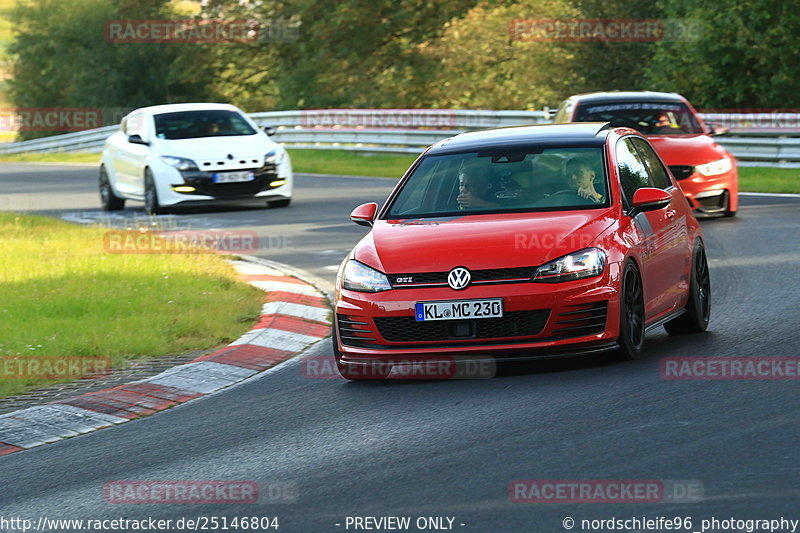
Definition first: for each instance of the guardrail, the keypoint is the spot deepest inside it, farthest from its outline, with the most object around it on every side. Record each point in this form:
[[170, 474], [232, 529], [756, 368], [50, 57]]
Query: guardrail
[[410, 131]]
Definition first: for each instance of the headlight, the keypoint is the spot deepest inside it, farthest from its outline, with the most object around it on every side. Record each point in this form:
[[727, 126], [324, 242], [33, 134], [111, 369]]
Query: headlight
[[715, 168], [586, 263], [359, 277], [274, 157], [181, 163]]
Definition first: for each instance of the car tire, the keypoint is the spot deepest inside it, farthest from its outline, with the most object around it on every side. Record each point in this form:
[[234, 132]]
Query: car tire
[[631, 321], [279, 203], [698, 309], [108, 200], [728, 212], [151, 204]]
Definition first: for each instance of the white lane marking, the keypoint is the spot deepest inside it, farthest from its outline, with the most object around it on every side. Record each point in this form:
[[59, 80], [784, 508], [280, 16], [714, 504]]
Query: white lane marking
[[320, 314], [300, 288], [775, 194], [276, 338]]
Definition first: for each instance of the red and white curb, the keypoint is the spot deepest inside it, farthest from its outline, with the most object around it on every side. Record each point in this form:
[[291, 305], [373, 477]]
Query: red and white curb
[[296, 314]]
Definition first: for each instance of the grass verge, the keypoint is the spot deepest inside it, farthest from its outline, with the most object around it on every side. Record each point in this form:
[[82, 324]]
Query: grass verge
[[350, 163], [51, 157], [63, 296], [763, 179]]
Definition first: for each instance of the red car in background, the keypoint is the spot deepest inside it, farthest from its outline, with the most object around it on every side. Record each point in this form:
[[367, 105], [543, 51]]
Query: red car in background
[[517, 243], [705, 171]]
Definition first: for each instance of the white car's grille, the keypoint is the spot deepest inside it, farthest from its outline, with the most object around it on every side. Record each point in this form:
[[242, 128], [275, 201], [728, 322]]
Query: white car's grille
[[224, 163]]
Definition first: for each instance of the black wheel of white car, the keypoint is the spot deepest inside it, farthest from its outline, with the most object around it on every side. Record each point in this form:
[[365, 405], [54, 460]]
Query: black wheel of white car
[[279, 203], [109, 200], [151, 204]]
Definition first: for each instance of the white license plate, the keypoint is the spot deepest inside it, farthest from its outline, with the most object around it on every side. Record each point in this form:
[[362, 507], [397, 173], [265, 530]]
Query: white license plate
[[233, 177], [458, 309]]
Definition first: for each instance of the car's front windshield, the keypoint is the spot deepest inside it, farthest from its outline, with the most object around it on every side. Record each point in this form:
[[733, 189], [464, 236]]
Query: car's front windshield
[[501, 180], [201, 123], [650, 118]]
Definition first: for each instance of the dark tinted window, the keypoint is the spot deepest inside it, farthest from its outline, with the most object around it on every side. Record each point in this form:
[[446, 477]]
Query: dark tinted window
[[537, 178], [658, 175], [207, 123], [650, 118], [633, 173]]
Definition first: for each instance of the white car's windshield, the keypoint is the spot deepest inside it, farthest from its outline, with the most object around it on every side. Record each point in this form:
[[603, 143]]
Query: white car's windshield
[[204, 123], [493, 181]]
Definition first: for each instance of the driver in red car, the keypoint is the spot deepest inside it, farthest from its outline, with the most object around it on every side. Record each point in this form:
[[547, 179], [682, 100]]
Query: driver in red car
[[474, 189], [580, 175]]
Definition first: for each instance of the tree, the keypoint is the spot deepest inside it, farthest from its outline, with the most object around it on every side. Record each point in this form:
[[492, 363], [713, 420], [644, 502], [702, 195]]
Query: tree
[[743, 58], [63, 60]]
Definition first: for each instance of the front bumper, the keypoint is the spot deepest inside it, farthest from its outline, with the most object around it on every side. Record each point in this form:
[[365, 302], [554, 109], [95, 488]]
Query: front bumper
[[269, 183], [711, 194], [539, 320]]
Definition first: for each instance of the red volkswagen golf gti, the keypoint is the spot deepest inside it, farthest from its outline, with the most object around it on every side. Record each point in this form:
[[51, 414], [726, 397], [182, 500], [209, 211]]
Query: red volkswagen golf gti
[[516, 243], [705, 171]]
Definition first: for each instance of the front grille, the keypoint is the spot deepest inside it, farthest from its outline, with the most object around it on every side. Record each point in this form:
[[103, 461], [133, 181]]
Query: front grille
[[681, 172], [354, 331], [492, 275], [711, 204], [512, 324], [580, 320], [204, 184]]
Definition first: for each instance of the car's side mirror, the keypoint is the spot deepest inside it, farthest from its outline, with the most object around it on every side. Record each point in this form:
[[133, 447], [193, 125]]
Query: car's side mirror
[[137, 139], [269, 130], [649, 199], [716, 129], [364, 215]]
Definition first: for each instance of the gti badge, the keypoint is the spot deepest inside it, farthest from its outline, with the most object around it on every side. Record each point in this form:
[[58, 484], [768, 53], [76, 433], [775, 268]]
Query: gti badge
[[458, 278]]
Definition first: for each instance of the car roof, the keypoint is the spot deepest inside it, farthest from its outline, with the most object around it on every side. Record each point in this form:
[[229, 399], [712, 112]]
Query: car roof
[[628, 96], [173, 108], [583, 133]]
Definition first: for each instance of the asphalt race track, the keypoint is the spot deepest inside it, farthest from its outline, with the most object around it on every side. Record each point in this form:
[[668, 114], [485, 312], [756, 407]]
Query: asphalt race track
[[451, 448]]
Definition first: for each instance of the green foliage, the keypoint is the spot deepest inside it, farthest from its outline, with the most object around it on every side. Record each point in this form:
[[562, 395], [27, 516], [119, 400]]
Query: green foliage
[[746, 58], [411, 54], [64, 60]]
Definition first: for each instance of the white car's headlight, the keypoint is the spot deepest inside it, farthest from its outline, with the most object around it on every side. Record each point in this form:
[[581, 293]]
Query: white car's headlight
[[586, 263], [181, 163], [275, 157], [715, 168], [359, 277]]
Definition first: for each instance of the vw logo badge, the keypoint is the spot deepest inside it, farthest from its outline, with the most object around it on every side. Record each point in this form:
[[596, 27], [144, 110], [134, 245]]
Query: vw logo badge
[[459, 278], [230, 157]]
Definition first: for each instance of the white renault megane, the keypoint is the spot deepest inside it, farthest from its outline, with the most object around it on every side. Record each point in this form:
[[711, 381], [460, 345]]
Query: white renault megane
[[191, 153]]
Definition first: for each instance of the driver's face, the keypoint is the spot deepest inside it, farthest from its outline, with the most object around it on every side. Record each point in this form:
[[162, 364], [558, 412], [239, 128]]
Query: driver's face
[[585, 176]]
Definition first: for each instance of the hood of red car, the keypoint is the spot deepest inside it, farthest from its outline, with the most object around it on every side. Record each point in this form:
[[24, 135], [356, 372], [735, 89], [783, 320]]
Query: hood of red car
[[687, 149], [479, 241]]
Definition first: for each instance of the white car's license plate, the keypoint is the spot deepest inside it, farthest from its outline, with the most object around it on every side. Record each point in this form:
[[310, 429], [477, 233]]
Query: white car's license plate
[[233, 177], [458, 309]]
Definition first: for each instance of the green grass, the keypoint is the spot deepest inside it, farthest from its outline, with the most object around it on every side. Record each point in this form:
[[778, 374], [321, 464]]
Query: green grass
[[761, 179], [52, 157], [62, 295], [349, 163]]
